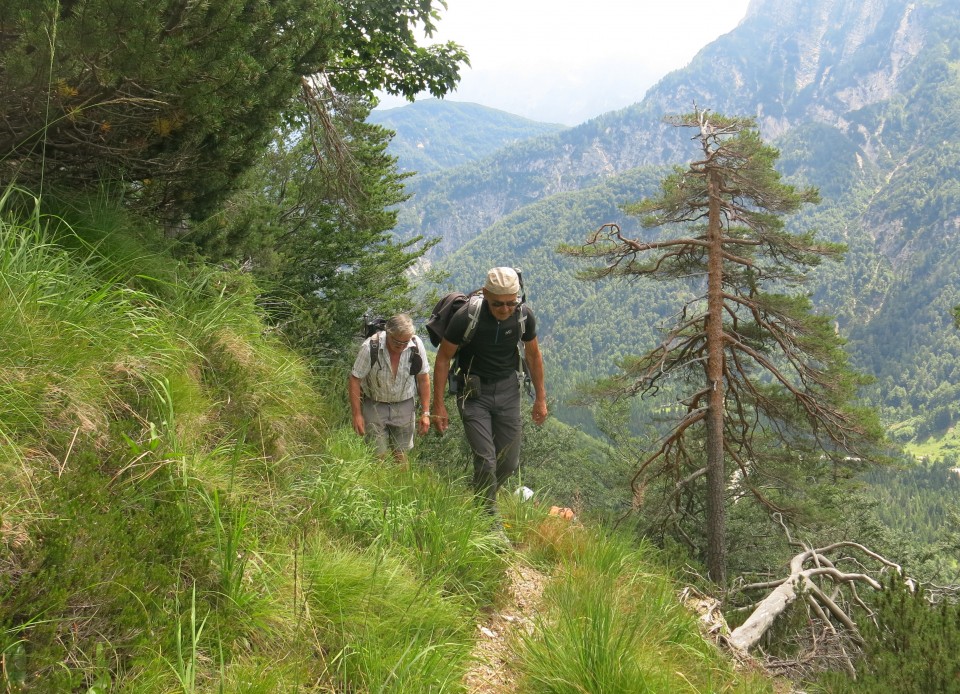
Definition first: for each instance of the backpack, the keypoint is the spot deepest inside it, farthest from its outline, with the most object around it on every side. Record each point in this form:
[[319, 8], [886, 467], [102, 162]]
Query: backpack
[[447, 306], [453, 302], [374, 326]]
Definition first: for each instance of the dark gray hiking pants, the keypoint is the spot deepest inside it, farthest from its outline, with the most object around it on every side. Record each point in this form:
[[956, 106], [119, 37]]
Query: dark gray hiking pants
[[491, 422]]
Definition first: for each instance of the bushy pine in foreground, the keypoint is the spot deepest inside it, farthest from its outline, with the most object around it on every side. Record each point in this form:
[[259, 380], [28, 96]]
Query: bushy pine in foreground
[[912, 646], [183, 508]]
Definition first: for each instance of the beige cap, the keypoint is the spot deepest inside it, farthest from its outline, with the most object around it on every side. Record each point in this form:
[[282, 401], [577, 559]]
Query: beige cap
[[502, 281]]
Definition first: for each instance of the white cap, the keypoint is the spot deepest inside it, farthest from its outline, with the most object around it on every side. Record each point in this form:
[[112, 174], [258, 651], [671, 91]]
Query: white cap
[[502, 281]]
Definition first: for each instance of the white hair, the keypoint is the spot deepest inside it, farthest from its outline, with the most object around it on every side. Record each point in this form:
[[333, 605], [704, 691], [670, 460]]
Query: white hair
[[400, 325]]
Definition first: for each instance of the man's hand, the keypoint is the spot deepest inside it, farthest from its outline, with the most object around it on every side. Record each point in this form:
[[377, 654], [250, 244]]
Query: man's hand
[[539, 413], [358, 425], [423, 424], [441, 420]]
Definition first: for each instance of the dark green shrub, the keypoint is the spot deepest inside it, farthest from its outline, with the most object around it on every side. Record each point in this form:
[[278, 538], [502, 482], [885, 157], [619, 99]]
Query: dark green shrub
[[912, 647]]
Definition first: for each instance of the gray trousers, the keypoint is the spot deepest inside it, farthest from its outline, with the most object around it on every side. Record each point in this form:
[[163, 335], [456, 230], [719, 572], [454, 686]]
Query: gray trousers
[[491, 422], [390, 425]]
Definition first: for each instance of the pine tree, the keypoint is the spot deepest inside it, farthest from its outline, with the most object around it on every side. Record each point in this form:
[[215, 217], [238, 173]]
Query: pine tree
[[317, 225], [911, 645], [763, 372]]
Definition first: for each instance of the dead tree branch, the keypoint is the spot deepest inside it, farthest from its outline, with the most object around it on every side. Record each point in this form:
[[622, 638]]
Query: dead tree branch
[[804, 580]]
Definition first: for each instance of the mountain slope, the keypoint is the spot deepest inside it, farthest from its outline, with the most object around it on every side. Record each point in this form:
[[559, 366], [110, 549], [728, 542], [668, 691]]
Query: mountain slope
[[185, 506], [433, 134], [862, 99]]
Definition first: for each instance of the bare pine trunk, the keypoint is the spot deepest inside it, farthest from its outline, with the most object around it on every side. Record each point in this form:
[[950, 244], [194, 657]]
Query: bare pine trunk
[[716, 476]]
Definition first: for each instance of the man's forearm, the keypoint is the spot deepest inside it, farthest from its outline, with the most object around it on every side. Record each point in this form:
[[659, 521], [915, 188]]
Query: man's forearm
[[356, 394], [441, 370], [536, 375], [423, 388]]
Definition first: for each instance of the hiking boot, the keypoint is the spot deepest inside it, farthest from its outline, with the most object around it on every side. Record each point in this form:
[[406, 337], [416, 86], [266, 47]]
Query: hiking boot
[[499, 534], [502, 540]]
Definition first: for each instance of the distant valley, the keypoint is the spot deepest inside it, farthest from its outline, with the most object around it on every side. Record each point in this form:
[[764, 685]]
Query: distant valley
[[860, 98]]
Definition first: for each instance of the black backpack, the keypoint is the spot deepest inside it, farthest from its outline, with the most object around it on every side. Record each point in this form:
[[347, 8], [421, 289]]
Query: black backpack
[[448, 305], [374, 326]]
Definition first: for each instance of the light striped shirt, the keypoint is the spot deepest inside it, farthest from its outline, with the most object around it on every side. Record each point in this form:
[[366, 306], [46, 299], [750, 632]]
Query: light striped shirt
[[378, 383]]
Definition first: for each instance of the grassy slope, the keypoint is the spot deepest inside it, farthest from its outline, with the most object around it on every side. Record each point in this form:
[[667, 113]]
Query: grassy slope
[[936, 447], [183, 508]]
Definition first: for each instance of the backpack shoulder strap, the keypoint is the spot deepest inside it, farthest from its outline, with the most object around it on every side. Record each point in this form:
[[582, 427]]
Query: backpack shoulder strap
[[416, 359], [374, 349], [522, 320], [475, 302]]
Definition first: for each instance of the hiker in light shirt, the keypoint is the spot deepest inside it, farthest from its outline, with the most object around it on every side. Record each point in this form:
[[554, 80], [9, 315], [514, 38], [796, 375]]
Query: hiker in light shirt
[[383, 388]]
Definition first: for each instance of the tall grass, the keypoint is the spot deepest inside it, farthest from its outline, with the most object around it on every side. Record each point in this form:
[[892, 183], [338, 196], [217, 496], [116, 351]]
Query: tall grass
[[63, 329], [430, 519], [612, 622], [385, 631], [187, 660], [184, 507], [160, 452]]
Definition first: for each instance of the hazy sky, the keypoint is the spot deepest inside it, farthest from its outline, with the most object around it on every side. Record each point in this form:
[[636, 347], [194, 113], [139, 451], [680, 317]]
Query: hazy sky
[[566, 61]]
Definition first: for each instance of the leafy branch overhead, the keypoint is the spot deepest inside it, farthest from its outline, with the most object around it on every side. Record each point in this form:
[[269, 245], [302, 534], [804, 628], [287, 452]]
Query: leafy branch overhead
[[752, 362]]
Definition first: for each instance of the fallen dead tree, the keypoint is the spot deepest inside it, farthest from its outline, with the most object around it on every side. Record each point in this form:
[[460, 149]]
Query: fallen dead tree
[[817, 577]]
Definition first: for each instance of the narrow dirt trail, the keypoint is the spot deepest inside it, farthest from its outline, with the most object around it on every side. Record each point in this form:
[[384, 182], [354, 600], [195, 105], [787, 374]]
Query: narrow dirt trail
[[491, 673]]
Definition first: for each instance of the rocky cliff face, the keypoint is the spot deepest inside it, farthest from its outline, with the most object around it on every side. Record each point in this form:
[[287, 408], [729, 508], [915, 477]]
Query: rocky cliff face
[[826, 59]]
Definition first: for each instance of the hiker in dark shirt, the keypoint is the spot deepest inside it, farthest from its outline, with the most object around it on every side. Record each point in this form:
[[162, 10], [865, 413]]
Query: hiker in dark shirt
[[488, 379]]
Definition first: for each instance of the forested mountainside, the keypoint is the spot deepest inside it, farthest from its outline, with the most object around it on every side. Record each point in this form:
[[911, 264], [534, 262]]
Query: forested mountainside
[[860, 97], [431, 135]]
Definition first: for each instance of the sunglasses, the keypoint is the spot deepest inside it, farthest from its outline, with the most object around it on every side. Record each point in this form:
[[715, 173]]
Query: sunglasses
[[501, 304]]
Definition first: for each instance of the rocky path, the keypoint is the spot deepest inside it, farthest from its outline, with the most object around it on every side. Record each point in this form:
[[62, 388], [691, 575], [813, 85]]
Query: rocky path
[[491, 673]]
